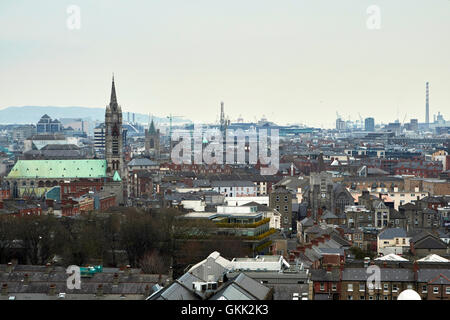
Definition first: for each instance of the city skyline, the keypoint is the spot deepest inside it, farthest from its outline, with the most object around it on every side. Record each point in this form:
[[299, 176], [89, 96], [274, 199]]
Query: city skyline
[[296, 63]]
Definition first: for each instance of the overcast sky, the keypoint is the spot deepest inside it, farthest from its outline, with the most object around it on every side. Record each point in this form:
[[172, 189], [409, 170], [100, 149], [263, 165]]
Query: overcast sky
[[294, 61]]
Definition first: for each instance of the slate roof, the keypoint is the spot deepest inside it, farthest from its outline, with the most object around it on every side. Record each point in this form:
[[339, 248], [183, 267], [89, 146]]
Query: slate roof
[[39, 281], [142, 162], [323, 276], [426, 275], [387, 274], [243, 288], [328, 215], [232, 183], [391, 233]]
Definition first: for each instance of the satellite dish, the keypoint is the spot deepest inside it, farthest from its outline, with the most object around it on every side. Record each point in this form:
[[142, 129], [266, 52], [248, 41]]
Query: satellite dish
[[409, 294]]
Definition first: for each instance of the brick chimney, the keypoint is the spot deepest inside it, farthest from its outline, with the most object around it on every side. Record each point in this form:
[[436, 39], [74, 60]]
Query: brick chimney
[[128, 269], [100, 290], [147, 290], [416, 270], [48, 267], [52, 290], [26, 278], [116, 279], [4, 289], [9, 267]]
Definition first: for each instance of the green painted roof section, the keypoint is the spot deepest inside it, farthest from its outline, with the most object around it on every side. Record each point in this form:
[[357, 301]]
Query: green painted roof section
[[58, 169], [116, 177]]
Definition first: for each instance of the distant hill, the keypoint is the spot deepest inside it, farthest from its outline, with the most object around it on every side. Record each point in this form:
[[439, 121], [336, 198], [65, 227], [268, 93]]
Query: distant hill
[[32, 114]]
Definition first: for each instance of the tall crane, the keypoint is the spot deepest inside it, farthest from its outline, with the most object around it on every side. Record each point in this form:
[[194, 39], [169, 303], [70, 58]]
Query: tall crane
[[362, 121], [171, 117]]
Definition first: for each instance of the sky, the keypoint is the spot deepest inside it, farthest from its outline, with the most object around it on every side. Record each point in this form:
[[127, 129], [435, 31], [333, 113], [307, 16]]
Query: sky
[[292, 61]]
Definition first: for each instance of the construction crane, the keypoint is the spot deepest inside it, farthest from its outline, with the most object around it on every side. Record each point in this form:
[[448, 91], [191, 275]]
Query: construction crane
[[404, 118], [362, 121], [171, 117]]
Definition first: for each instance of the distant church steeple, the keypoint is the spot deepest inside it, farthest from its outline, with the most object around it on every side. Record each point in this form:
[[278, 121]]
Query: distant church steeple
[[113, 101], [113, 136]]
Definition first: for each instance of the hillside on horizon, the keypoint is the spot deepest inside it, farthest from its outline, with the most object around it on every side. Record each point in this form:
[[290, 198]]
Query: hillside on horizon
[[32, 114]]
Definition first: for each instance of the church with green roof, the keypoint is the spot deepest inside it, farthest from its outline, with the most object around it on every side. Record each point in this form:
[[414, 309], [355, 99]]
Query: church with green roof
[[39, 176]]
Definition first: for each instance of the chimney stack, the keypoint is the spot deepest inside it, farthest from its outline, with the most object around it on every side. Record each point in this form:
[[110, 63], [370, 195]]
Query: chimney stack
[[48, 267], [52, 290], [416, 270], [100, 290], [116, 279], [4, 289], [26, 278], [128, 269], [9, 268], [147, 290]]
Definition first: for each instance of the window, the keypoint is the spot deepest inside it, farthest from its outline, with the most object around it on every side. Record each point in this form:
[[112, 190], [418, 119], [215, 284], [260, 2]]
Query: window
[[386, 297], [286, 209], [285, 198], [322, 286], [350, 297], [424, 289], [334, 287], [386, 287], [362, 298], [362, 286], [435, 290], [370, 297], [394, 288], [350, 287], [447, 290]]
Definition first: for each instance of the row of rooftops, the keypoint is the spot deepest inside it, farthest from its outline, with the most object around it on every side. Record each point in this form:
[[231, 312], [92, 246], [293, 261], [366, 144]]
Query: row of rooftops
[[33, 282]]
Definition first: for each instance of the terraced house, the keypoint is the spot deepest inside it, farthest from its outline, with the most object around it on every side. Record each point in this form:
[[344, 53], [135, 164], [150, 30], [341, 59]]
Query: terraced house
[[393, 281]]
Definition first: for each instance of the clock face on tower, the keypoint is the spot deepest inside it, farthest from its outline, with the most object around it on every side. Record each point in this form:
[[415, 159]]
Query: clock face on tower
[[323, 195]]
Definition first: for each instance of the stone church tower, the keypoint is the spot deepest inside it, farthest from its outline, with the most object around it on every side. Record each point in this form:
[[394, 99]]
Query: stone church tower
[[113, 136], [152, 141]]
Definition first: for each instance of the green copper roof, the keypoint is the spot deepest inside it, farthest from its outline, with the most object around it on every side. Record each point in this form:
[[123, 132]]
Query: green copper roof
[[58, 169], [116, 177]]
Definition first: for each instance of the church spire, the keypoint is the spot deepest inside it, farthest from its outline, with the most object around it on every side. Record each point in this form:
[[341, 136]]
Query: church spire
[[152, 129], [113, 93]]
